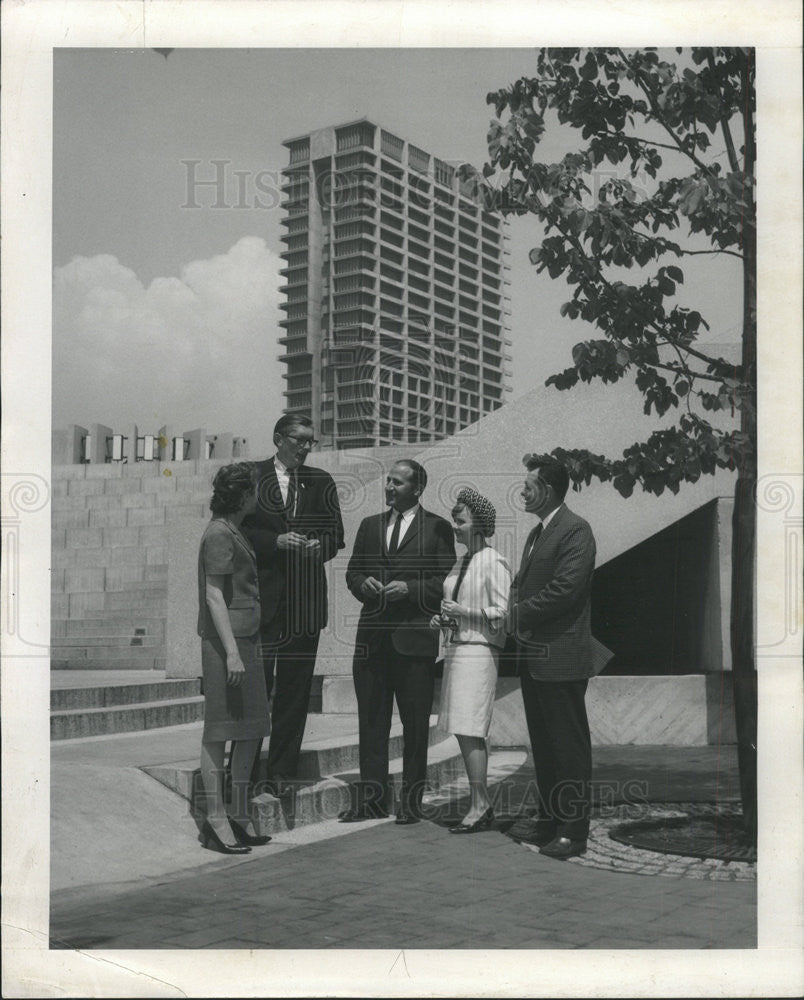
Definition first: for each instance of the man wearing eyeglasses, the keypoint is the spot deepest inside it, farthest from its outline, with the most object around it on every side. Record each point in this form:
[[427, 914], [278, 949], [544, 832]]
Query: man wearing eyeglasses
[[296, 529]]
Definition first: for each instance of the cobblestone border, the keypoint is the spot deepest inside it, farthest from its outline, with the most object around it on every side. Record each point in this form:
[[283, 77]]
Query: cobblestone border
[[604, 853]]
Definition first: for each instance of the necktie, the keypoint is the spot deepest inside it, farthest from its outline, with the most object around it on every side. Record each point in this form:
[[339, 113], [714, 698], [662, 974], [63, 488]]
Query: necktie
[[461, 574], [290, 503], [394, 544], [534, 538]]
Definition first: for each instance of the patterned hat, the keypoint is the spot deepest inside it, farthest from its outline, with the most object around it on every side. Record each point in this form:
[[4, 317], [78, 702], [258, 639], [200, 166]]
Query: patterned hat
[[481, 508]]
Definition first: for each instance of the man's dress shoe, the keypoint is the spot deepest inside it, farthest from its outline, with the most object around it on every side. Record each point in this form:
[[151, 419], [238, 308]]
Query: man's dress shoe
[[562, 848], [358, 815], [532, 831], [405, 819]]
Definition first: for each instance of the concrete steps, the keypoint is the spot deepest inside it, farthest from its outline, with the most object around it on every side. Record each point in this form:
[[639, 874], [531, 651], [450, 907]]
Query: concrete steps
[[116, 695], [326, 798], [328, 766], [68, 724], [80, 708], [145, 659]]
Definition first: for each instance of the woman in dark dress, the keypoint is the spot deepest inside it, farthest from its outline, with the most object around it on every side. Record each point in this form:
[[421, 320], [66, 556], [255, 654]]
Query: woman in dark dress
[[235, 701]]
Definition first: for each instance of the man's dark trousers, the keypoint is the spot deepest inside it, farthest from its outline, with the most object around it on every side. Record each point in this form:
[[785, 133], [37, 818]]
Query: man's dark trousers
[[289, 656], [378, 678], [562, 751]]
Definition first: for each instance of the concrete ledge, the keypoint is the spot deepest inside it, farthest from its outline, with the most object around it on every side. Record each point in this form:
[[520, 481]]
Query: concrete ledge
[[73, 724], [109, 695], [154, 661], [322, 757], [687, 710], [325, 799]]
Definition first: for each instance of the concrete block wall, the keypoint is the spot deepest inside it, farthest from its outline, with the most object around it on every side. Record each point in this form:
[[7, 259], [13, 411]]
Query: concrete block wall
[[113, 529], [109, 567]]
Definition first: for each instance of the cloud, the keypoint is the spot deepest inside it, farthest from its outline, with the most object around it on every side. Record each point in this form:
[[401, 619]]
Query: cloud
[[194, 351]]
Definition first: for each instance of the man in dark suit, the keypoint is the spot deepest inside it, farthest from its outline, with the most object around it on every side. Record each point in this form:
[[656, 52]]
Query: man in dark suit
[[397, 572], [296, 529], [549, 616]]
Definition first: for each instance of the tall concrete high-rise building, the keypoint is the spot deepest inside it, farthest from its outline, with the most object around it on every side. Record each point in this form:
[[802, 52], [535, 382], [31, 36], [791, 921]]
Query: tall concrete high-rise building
[[395, 297]]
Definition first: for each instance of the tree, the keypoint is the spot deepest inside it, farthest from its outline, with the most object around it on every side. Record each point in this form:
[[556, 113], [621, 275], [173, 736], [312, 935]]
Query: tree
[[643, 116]]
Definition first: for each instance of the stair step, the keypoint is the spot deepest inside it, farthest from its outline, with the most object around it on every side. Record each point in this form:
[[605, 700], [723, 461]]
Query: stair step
[[68, 724], [121, 609], [108, 641], [150, 662], [109, 651], [109, 695], [332, 756], [332, 794]]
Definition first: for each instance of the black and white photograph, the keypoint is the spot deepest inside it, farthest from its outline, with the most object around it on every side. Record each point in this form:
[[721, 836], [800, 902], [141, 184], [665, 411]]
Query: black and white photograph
[[402, 500]]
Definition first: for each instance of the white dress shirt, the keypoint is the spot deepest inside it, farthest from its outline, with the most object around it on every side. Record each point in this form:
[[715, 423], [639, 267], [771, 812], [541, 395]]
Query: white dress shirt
[[550, 516], [407, 520], [544, 524], [283, 478]]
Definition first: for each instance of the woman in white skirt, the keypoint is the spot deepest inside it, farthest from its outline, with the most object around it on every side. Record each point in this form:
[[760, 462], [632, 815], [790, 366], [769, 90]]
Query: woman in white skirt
[[471, 623]]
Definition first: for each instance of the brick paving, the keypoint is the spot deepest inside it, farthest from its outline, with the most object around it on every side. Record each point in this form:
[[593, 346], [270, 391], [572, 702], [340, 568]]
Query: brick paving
[[376, 885]]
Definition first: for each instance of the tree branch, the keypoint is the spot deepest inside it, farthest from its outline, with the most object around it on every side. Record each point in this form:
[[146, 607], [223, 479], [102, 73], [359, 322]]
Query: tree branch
[[657, 115], [724, 124], [677, 248], [687, 373], [637, 138]]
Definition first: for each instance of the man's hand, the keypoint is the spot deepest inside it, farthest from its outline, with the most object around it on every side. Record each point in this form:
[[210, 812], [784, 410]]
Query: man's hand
[[371, 587], [396, 590], [312, 548], [291, 542]]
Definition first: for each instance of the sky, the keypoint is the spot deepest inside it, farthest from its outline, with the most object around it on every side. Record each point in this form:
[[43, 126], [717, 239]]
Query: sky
[[166, 296]]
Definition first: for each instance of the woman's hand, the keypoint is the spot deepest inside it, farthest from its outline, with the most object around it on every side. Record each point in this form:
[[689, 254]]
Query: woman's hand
[[454, 609], [235, 670]]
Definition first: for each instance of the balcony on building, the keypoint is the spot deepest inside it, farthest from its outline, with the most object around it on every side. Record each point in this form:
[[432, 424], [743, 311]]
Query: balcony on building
[[391, 145], [354, 136], [354, 283], [354, 247], [363, 159], [352, 336], [299, 149], [297, 230], [355, 264], [418, 217]]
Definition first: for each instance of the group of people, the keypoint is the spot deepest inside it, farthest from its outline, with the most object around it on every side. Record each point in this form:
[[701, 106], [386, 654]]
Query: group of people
[[263, 603]]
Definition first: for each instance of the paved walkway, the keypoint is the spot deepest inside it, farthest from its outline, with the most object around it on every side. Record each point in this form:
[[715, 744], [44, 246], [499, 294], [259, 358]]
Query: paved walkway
[[376, 885]]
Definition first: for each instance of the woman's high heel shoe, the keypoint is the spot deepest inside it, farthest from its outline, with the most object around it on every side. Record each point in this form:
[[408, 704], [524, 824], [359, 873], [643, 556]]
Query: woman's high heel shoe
[[210, 837], [246, 838], [483, 822]]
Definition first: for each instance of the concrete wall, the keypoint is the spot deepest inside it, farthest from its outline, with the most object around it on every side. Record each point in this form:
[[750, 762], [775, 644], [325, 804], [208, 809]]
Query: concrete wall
[[680, 711]]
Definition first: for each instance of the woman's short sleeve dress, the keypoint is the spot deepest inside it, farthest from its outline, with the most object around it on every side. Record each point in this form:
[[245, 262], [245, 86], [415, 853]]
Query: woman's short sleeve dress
[[231, 713]]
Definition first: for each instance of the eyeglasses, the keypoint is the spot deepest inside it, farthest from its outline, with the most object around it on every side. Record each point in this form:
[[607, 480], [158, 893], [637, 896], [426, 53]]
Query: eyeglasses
[[303, 442]]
